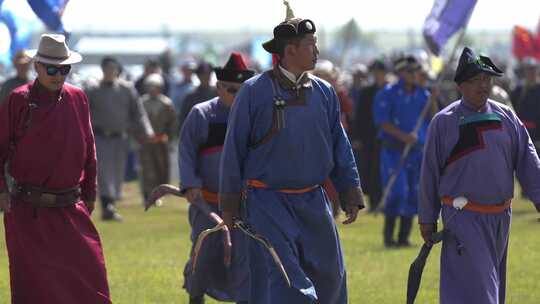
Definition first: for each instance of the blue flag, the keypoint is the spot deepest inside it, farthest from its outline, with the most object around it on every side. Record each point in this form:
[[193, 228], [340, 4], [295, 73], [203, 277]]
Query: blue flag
[[50, 12], [20, 22], [445, 19]]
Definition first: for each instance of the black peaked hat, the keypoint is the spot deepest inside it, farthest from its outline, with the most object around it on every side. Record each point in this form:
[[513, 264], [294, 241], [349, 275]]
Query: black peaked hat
[[290, 28], [378, 64], [471, 65], [235, 70]]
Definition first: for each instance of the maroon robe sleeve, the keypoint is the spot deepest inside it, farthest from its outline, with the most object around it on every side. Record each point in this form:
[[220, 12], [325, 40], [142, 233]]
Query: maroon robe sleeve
[[88, 183], [4, 141]]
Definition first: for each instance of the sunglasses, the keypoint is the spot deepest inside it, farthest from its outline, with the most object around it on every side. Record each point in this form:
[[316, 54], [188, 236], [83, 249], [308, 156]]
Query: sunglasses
[[53, 70], [232, 90]]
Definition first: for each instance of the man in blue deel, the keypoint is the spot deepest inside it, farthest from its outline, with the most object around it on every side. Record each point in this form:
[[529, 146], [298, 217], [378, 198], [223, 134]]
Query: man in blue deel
[[284, 139], [396, 110]]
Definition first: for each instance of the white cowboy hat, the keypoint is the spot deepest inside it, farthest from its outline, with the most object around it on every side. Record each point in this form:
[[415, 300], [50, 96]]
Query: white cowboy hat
[[52, 49]]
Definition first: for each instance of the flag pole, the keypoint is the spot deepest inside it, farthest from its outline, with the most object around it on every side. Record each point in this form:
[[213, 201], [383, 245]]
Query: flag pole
[[391, 181]]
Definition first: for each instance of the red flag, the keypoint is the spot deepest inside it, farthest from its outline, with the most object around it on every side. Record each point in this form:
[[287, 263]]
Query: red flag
[[524, 43]]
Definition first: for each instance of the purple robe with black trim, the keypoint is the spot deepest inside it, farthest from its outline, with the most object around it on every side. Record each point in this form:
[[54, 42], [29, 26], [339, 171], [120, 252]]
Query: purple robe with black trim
[[475, 154], [201, 143]]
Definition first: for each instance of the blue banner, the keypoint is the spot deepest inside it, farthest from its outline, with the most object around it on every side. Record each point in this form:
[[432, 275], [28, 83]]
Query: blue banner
[[445, 19], [18, 24], [50, 12]]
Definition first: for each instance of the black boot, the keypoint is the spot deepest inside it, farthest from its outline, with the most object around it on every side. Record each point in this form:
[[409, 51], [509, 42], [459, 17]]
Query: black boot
[[388, 232], [196, 299], [109, 210], [405, 231]]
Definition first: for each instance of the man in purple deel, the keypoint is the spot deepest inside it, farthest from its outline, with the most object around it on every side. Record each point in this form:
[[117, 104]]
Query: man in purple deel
[[472, 150]]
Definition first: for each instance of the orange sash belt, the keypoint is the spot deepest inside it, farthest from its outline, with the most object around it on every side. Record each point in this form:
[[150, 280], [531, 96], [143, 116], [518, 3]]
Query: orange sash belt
[[472, 206], [210, 197], [260, 185]]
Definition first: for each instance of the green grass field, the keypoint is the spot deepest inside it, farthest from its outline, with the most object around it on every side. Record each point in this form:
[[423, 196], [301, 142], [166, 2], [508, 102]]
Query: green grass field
[[146, 253]]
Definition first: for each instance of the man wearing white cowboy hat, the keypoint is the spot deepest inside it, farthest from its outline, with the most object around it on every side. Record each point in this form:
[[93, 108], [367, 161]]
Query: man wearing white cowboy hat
[[47, 144]]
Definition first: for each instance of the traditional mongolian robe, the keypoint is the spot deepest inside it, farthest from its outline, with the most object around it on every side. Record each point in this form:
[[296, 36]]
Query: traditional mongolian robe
[[201, 144], [474, 154], [155, 155], [394, 105], [55, 254], [284, 151], [369, 154], [116, 111]]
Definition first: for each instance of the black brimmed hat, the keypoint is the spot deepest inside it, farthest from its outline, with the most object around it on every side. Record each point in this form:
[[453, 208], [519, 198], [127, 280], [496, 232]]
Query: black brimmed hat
[[290, 28], [235, 70], [471, 65]]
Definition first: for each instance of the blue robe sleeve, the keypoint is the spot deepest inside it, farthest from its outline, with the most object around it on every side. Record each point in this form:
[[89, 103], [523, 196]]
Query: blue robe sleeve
[[192, 136], [235, 151], [344, 175], [527, 164], [429, 205]]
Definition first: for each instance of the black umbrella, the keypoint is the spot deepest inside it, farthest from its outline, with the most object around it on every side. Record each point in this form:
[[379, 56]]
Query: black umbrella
[[417, 267]]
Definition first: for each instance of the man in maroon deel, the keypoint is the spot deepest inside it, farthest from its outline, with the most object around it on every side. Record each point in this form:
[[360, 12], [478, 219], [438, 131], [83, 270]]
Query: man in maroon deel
[[48, 191]]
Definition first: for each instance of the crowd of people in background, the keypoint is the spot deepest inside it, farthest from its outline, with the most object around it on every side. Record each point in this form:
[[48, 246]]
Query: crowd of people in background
[[141, 120], [385, 110]]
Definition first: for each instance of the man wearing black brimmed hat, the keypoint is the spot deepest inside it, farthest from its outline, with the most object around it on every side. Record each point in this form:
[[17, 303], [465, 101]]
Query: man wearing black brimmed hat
[[47, 144], [201, 143], [473, 149], [397, 110], [283, 140]]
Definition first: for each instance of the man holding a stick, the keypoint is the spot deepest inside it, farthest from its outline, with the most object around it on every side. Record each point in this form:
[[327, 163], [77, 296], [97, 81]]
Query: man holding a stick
[[397, 109]]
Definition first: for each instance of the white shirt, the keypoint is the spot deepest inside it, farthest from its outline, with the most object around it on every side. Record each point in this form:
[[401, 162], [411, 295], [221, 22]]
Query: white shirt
[[291, 76]]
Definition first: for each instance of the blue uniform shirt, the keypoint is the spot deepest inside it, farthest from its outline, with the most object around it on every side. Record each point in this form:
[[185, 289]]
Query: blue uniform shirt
[[394, 105]]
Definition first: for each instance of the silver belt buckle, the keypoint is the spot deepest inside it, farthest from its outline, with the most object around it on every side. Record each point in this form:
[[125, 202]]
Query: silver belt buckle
[[459, 202]]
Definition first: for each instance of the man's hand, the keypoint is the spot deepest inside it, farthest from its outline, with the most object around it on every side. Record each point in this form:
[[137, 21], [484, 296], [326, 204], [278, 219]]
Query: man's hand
[[352, 214], [427, 231], [90, 205], [159, 138], [194, 194], [410, 138], [5, 203]]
